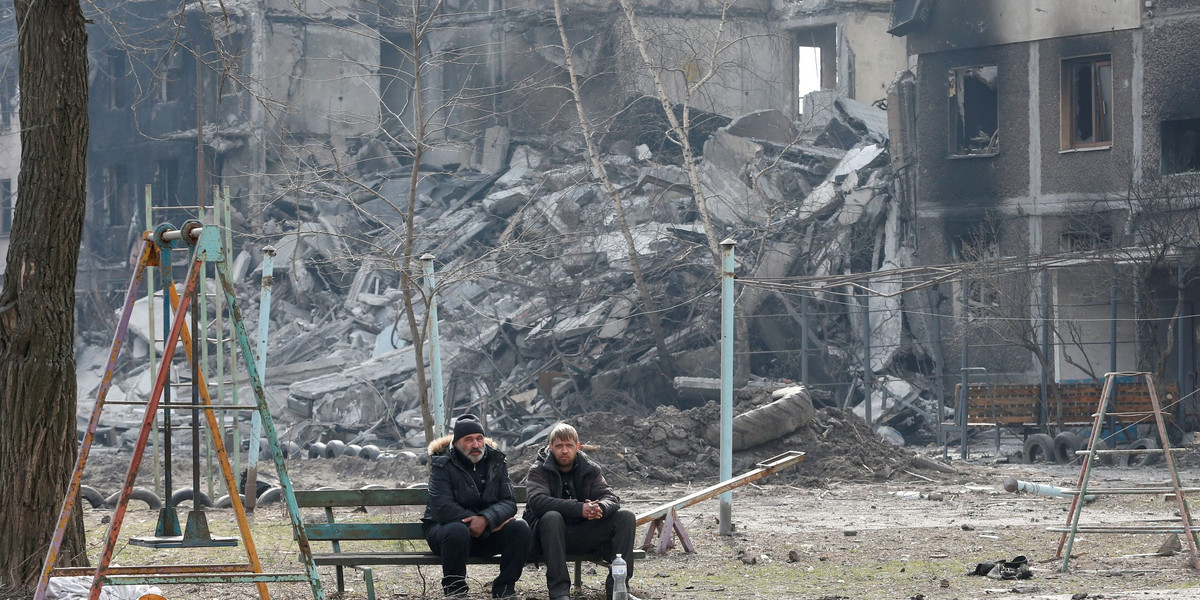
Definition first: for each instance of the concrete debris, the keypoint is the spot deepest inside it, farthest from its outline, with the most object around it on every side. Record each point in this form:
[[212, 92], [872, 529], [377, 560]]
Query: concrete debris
[[540, 318]]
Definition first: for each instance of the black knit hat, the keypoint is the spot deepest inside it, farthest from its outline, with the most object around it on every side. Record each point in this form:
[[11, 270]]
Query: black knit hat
[[466, 425]]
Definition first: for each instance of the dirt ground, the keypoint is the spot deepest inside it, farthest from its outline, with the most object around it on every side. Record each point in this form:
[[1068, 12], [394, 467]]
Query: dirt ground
[[858, 518]]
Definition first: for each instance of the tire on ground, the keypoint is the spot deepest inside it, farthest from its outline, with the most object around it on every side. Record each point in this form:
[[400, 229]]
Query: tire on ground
[[1142, 458], [226, 502], [272, 495], [92, 495], [137, 493], [1039, 448], [199, 500], [1065, 445]]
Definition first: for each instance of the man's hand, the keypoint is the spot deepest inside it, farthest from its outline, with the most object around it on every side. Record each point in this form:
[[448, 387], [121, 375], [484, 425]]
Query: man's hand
[[477, 524], [592, 510]]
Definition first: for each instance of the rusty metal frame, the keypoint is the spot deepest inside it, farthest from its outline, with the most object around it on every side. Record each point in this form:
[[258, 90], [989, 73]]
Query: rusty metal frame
[[155, 251], [1067, 540]]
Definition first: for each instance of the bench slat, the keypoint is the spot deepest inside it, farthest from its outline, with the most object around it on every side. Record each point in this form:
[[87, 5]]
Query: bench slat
[[327, 532], [373, 559]]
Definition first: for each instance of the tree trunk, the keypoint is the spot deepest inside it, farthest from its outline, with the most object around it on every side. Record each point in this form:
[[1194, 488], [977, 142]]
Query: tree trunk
[[37, 303]]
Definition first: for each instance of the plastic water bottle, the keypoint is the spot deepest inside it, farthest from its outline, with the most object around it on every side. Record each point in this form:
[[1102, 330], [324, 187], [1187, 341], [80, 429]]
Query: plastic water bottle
[[620, 592]]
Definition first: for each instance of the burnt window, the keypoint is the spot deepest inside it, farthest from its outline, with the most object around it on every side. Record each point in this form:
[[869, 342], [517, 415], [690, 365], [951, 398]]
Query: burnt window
[[1086, 237], [977, 243], [117, 199], [118, 66], [1087, 99], [173, 76], [166, 183], [8, 101], [1180, 146], [6, 206], [973, 111]]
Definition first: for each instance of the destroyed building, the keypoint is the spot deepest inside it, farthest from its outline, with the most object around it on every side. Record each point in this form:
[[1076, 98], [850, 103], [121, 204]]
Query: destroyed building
[[308, 118], [1054, 144]]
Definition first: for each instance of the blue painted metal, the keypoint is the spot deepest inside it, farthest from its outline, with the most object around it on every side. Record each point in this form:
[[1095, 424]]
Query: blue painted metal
[[727, 276], [264, 327], [435, 349], [208, 246]]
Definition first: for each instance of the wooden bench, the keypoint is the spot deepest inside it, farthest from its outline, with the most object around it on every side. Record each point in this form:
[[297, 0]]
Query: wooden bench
[[1017, 405], [407, 532]]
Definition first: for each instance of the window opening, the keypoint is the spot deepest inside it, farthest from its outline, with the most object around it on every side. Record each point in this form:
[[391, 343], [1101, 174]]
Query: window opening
[[8, 102], [974, 111], [1087, 102], [117, 68], [816, 61], [978, 244], [1180, 146]]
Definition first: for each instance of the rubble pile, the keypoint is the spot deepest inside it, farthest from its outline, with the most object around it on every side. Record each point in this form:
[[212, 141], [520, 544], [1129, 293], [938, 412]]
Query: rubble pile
[[664, 447], [539, 316]]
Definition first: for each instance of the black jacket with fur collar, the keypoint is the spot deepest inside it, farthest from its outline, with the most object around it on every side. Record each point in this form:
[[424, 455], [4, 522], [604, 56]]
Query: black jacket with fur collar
[[453, 494]]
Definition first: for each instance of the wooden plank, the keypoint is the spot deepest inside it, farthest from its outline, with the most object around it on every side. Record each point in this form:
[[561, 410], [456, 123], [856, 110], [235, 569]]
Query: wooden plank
[[374, 497]]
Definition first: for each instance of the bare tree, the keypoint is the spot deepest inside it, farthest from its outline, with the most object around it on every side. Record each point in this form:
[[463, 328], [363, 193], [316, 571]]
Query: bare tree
[[37, 321], [585, 124], [1159, 250]]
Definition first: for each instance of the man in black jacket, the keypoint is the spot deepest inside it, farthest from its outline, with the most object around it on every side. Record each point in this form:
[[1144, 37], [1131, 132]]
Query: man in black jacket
[[572, 510], [471, 509]]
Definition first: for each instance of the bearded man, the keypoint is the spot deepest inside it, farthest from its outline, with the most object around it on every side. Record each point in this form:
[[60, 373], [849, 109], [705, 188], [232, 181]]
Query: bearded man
[[471, 509]]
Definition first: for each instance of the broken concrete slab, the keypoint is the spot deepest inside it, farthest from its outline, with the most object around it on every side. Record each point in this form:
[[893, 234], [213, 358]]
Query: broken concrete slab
[[871, 120], [856, 158], [495, 149], [820, 203], [729, 200], [618, 319], [505, 202], [768, 124], [732, 153], [817, 109]]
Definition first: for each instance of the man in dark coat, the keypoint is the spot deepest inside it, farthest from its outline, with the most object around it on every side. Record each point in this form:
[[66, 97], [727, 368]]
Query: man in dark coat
[[572, 510], [471, 509]]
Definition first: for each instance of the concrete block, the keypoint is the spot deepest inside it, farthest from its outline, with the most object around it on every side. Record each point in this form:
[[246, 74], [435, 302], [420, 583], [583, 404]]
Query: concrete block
[[504, 203], [769, 124], [495, 149], [730, 152]]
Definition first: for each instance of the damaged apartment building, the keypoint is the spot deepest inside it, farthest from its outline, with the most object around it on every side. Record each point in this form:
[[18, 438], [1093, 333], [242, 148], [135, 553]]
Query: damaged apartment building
[[1055, 146], [307, 117]]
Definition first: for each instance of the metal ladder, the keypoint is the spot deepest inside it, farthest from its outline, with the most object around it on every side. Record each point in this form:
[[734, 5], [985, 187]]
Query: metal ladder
[[1092, 454]]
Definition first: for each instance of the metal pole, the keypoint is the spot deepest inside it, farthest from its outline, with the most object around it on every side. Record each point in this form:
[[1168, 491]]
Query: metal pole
[[726, 511], [804, 338], [156, 443], [264, 326], [1042, 408], [1112, 322], [233, 350], [868, 376], [1181, 365], [962, 398], [939, 365], [435, 348]]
